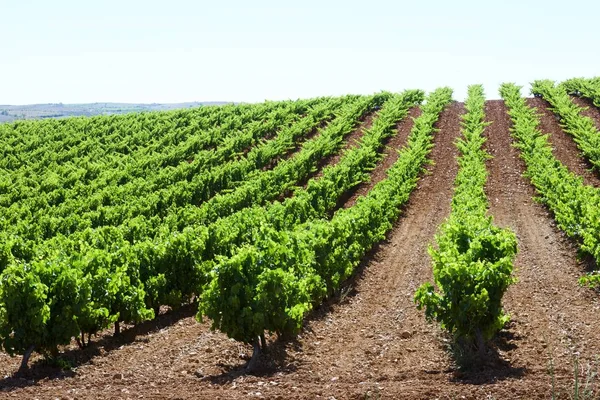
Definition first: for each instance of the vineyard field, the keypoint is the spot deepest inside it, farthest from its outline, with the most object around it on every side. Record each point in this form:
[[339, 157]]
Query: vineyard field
[[393, 245]]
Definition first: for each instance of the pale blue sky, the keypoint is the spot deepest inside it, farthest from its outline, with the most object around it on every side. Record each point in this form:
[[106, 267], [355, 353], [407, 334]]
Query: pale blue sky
[[173, 51]]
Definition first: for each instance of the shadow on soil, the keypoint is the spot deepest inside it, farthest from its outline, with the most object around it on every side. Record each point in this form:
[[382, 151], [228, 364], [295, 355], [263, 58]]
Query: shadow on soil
[[490, 367], [587, 261], [272, 361], [73, 358]]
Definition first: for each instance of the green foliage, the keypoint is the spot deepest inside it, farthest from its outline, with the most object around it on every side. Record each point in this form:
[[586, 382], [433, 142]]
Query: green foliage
[[588, 88], [473, 262], [105, 239], [24, 309], [591, 280], [45, 197], [320, 195], [267, 185], [106, 219]]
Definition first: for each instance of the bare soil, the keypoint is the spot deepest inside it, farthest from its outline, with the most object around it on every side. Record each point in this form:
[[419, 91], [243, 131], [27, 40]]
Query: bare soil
[[370, 341]]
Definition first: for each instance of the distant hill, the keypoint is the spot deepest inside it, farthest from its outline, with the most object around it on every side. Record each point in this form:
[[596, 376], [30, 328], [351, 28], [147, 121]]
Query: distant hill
[[58, 110]]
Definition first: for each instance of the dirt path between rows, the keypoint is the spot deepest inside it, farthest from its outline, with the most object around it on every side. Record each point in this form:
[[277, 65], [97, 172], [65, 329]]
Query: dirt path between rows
[[552, 317], [564, 147]]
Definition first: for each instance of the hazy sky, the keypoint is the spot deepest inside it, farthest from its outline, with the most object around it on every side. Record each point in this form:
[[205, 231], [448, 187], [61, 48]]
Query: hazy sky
[[174, 51]]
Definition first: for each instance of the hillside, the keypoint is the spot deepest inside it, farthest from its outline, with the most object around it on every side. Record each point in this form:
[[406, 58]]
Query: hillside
[[274, 250], [10, 113]]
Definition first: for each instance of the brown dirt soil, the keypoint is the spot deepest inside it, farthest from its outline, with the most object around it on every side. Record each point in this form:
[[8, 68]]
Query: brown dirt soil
[[390, 156], [592, 111], [370, 341], [564, 147]]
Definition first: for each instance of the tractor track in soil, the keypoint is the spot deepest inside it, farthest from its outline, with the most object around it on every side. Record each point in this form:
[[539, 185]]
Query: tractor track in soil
[[370, 341]]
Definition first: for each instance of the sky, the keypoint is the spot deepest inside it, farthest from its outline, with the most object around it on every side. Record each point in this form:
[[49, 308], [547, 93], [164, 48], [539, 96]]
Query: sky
[[74, 51]]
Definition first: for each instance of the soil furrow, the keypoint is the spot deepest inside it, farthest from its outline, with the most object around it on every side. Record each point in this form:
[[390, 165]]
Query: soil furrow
[[564, 147], [552, 317]]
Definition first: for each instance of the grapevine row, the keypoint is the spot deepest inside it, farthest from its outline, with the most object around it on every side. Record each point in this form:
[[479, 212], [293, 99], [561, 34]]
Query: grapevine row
[[246, 225], [588, 88], [576, 207], [63, 202], [98, 148], [23, 230], [320, 195], [473, 261], [582, 128]]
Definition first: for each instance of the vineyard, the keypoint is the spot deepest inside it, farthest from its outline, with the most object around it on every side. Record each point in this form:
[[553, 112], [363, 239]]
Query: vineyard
[[395, 245]]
